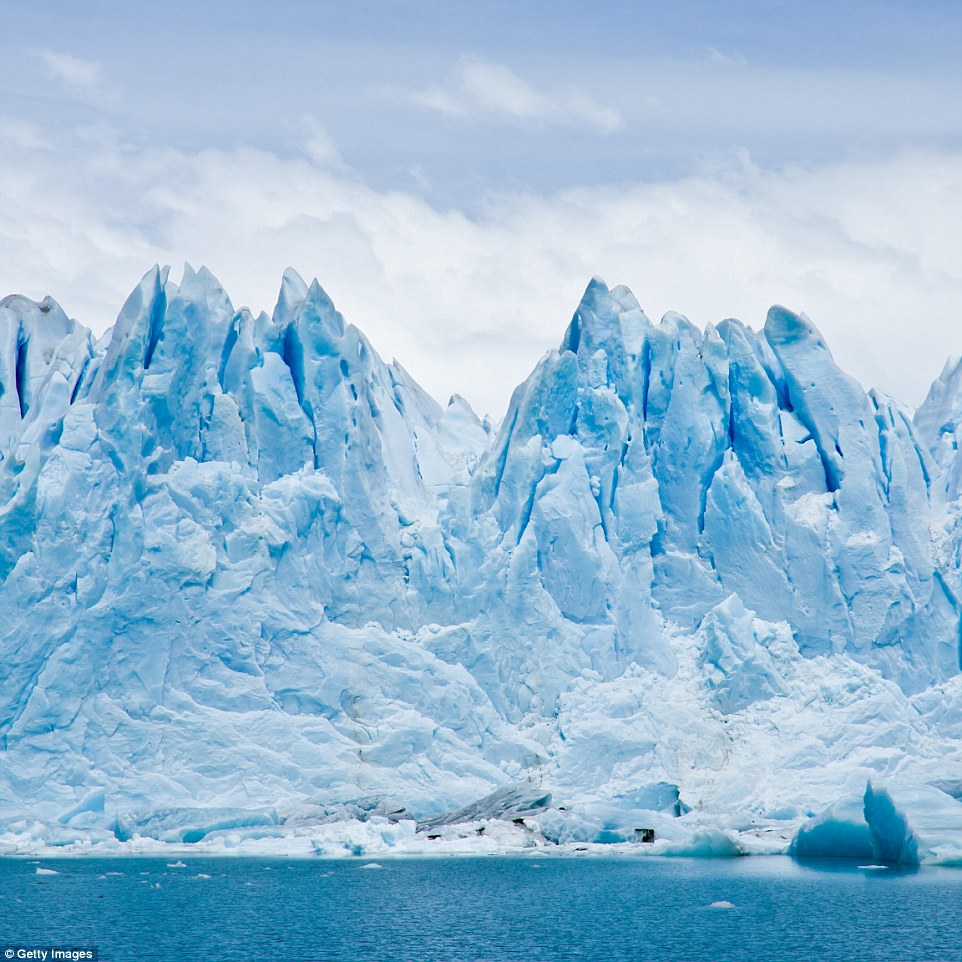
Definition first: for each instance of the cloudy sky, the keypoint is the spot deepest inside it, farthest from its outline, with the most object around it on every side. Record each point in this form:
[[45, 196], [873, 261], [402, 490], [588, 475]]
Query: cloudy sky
[[454, 174]]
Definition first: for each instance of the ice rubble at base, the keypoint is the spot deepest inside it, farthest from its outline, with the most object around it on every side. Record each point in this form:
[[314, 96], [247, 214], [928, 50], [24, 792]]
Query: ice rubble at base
[[261, 593]]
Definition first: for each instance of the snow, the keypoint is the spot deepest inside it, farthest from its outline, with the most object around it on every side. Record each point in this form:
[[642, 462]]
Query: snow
[[260, 593]]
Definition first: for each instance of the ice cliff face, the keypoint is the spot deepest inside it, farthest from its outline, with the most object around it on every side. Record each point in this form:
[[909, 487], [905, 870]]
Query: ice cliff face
[[644, 473], [254, 576]]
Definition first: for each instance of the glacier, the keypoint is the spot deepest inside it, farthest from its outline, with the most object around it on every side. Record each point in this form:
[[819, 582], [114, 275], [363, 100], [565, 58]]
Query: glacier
[[260, 592]]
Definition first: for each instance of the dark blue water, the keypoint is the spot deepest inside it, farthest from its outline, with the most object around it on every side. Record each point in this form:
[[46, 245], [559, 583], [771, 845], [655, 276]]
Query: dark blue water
[[497, 909]]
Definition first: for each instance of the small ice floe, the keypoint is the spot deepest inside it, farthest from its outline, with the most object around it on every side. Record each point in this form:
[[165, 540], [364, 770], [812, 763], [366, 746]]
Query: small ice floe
[[47, 871], [177, 864], [115, 873], [874, 868], [156, 885], [722, 904], [201, 875], [372, 865]]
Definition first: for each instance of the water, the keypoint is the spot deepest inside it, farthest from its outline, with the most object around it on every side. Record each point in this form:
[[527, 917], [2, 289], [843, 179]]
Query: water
[[468, 910]]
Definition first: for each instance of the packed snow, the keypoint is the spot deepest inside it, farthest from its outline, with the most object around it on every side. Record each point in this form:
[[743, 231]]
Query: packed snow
[[696, 594]]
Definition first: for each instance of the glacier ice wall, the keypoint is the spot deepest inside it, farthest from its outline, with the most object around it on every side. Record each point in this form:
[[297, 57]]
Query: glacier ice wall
[[250, 568]]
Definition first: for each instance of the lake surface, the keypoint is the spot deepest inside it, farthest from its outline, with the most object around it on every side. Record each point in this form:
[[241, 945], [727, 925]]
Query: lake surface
[[487, 908]]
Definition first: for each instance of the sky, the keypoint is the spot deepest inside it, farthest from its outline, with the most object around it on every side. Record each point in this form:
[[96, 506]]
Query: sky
[[455, 173]]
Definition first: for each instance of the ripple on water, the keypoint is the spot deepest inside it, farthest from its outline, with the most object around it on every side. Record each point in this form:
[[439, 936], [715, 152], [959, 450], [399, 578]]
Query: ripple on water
[[491, 910]]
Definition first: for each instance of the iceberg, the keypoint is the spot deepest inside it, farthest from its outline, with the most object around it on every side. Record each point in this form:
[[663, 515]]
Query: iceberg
[[260, 589], [841, 831], [912, 824]]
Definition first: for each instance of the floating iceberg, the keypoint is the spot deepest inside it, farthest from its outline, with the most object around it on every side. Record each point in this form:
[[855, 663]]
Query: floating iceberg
[[260, 590], [912, 824], [841, 831]]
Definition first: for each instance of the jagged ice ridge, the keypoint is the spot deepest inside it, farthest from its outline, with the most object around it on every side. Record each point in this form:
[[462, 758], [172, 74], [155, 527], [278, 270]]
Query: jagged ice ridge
[[259, 589]]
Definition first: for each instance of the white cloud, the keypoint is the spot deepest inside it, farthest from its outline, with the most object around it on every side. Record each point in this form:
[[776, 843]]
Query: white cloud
[[73, 71], [721, 59], [320, 146], [83, 79], [484, 87], [496, 88], [871, 251]]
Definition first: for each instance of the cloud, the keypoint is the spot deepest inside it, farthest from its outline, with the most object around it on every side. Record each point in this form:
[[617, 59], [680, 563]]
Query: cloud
[[319, 145], [872, 251], [83, 78], [71, 70], [481, 87], [718, 58]]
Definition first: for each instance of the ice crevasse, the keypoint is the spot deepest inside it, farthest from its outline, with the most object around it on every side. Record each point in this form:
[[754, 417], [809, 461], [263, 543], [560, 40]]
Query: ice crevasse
[[259, 588]]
